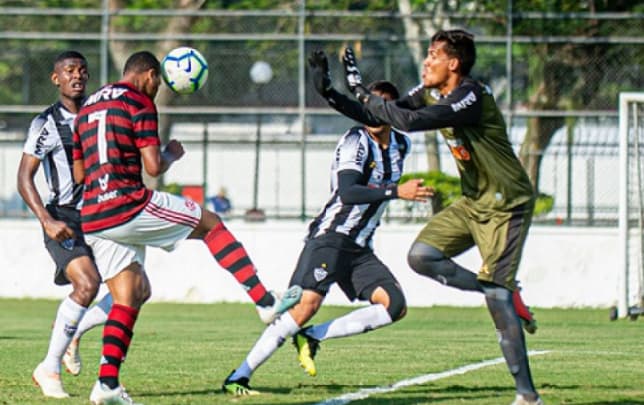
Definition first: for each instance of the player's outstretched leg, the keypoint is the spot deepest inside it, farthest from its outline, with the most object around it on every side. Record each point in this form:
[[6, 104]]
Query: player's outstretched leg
[[275, 334], [527, 318], [231, 255]]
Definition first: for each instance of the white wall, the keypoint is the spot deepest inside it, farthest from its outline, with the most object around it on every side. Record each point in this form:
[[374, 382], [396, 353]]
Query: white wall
[[561, 267]]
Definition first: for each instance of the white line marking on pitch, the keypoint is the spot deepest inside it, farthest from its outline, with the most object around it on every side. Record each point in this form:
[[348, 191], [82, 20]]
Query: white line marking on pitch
[[367, 392]]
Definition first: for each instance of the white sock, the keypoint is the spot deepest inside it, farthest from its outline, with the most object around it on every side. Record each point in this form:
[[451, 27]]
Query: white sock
[[358, 321], [96, 315], [273, 337], [67, 318]]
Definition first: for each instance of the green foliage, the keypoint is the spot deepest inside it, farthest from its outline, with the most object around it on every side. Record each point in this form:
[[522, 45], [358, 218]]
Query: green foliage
[[172, 188], [544, 204], [447, 188]]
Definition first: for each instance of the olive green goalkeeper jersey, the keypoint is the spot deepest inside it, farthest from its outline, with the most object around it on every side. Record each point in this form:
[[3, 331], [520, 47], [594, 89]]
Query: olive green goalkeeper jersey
[[492, 177]]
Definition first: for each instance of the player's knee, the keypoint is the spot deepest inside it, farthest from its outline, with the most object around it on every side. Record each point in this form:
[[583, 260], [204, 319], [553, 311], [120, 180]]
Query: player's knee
[[397, 307], [307, 307], [146, 292], [424, 259], [85, 290]]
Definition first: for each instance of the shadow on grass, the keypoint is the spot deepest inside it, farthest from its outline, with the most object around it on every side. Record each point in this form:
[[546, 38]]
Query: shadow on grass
[[618, 402]]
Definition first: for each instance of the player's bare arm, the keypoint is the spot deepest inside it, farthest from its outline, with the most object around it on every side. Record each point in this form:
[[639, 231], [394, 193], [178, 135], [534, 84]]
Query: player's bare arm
[[157, 162], [79, 171], [27, 169]]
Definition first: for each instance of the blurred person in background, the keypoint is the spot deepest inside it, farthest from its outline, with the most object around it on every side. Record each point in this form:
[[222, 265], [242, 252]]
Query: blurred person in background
[[221, 203]]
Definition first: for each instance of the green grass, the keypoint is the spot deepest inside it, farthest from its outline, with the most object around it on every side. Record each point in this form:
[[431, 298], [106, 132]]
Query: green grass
[[182, 352]]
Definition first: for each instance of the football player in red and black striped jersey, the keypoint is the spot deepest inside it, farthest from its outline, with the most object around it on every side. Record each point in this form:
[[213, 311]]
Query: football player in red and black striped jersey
[[115, 138]]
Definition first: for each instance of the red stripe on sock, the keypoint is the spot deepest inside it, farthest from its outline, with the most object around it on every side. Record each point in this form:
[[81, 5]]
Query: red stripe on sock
[[257, 293], [232, 257], [108, 370], [218, 238], [113, 351], [127, 317], [116, 332], [244, 274]]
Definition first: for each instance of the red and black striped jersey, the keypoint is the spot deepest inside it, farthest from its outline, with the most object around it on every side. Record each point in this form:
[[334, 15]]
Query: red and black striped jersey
[[110, 129]]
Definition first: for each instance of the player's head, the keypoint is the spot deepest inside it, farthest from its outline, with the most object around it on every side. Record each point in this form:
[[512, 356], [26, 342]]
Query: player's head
[[70, 75], [451, 53], [142, 69], [388, 91], [384, 89]]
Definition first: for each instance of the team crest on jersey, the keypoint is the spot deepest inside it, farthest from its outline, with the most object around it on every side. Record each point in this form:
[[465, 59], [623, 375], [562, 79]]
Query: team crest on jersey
[[320, 273], [458, 149], [191, 205], [102, 181]]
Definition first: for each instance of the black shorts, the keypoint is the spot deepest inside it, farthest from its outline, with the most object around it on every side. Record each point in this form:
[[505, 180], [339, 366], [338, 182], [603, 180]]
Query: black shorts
[[335, 258], [65, 252]]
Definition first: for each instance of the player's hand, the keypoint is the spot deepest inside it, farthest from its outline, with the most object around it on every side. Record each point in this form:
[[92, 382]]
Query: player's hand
[[57, 230], [173, 151], [413, 190], [319, 65], [353, 76]]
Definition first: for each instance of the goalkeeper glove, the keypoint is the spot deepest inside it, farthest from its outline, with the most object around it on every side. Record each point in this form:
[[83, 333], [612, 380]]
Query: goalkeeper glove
[[320, 68], [353, 76]]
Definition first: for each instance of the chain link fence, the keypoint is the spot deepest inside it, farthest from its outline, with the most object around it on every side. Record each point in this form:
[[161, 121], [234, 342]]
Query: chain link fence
[[556, 74]]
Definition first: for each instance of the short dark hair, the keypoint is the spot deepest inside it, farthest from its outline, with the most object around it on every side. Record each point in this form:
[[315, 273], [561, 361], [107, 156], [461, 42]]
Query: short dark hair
[[68, 55], [383, 86], [140, 62], [460, 45]]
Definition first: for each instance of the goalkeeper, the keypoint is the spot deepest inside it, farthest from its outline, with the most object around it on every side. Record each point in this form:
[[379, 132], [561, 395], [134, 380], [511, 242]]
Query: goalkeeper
[[496, 208]]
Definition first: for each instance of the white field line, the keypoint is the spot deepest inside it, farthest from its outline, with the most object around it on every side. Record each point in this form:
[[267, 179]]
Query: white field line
[[422, 379]]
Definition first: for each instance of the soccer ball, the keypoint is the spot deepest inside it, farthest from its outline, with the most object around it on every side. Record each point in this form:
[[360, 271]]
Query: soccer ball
[[184, 70]]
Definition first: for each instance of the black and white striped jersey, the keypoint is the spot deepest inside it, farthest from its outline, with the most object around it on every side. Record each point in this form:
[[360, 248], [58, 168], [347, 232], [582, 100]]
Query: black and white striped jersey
[[50, 140], [380, 168]]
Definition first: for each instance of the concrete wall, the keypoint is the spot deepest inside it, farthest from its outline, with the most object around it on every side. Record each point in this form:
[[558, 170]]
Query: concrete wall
[[561, 267]]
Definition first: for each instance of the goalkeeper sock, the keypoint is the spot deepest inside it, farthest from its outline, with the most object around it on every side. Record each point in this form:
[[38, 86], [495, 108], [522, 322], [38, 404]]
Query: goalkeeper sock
[[359, 321], [231, 255], [273, 337], [511, 338]]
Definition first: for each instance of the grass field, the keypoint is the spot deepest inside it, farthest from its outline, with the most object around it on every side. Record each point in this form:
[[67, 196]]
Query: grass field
[[182, 352]]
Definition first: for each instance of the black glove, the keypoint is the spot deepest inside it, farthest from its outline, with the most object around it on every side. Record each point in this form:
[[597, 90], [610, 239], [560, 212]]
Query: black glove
[[353, 76], [320, 68]]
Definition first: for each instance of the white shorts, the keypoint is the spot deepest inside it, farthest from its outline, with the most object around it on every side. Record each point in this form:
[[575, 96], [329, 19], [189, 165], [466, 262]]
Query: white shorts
[[165, 220]]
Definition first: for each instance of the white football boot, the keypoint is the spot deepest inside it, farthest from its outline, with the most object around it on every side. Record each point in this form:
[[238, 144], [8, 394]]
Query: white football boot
[[50, 383], [71, 359], [104, 395]]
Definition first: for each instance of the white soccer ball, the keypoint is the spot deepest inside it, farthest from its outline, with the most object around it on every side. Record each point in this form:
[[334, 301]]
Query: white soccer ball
[[184, 70]]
